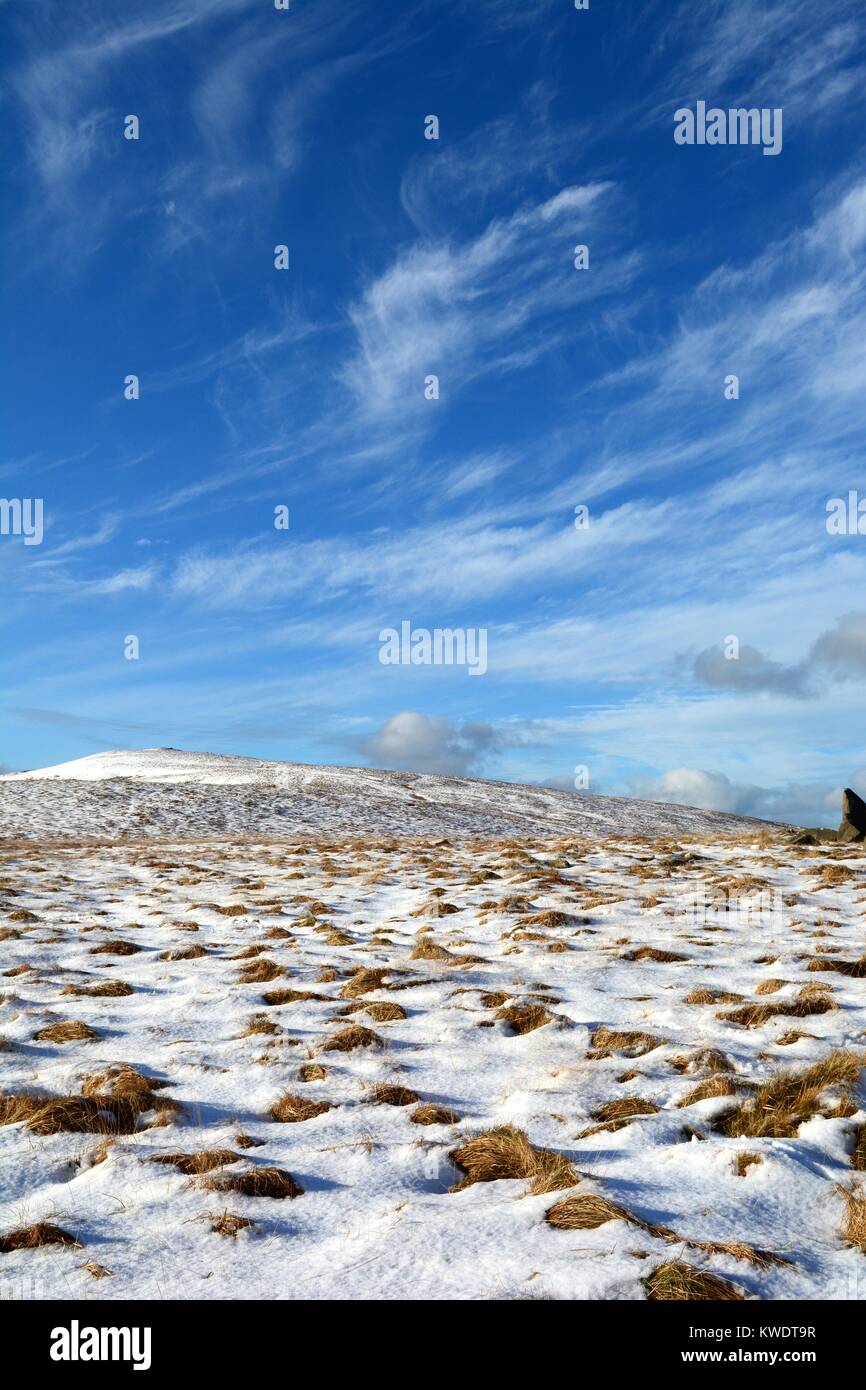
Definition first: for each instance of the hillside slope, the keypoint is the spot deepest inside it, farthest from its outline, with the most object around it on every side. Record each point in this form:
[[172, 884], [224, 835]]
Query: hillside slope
[[157, 792]]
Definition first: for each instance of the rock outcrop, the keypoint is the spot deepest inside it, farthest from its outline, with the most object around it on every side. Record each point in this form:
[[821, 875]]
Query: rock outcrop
[[853, 824]]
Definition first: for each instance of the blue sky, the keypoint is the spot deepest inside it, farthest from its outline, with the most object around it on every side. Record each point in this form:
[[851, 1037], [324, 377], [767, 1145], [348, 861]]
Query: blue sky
[[558, 387]]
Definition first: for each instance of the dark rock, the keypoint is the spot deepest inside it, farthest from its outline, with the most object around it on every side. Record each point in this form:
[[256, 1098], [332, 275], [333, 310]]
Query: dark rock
[[853, 824], [815, 836]]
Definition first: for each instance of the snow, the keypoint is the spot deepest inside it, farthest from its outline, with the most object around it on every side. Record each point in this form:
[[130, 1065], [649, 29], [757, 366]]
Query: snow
[[166, 792], [377, 1219]]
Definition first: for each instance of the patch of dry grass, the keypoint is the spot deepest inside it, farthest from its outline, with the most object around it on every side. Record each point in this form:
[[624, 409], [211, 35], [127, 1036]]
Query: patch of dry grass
[[631, 1043], [109, 989], [260, 972], [204, 1161], [185, 953], [621, 1109], [782, 1104], [709, 1089], [385, 1012], [855, 969], [505, 1152], [429, 950], [676, 1280], [257, 1182], [854, 1223], [312, 1071], [292, 1109], [653, 953], [292, 996], [745, 1161], [585, 1212], [230, 1223], [349, 1038], [434, 1115], [525, 1018], [68, 1031], [385, 1094], [702, 995], [260, 1023], [756, 1015], [34, 1237]]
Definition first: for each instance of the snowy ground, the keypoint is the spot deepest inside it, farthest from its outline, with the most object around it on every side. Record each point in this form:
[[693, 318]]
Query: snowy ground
[[377, 1218], [163, 792]]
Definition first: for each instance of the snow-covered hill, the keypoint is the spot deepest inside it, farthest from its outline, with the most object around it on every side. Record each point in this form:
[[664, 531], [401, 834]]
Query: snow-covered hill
[[157, 792]]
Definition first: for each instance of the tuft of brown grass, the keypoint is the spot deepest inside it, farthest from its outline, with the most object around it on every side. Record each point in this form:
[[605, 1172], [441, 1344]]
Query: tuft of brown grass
[[260, 1023], [185, 953], [653, 953], [71, 1031], [229, 910], [434, 1115], [115, 948], [385, 1012], [621, 1109], [831, 875], [855, 969], [708, 1059], [34, 1237], [854, 1224], [770, 986], [291, 996], [745, 1161], [194, 1164], [312, 1071], [260, 972], [756, 1015], [110, 989], [632, 1043], [676, 1280], [702, 995], [525, 1018], [257, 1182], [584, 1212], [782, 1104], [349, 1038], [246, 1141], [858, 1158], [230, 1223], [291, 1109], [550, 918], [362, 982], [393, 1095], [505, 1152], [713, 1086], [792, 1035], [428, 950]]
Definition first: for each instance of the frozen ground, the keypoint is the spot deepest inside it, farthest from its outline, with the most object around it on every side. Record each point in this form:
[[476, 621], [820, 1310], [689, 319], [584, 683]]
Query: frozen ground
[[165, 792], [377, 1218]]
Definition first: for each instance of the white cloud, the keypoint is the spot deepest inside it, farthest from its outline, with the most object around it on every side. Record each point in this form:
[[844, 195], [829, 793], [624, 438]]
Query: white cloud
[[418, 743], [459, 310]]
